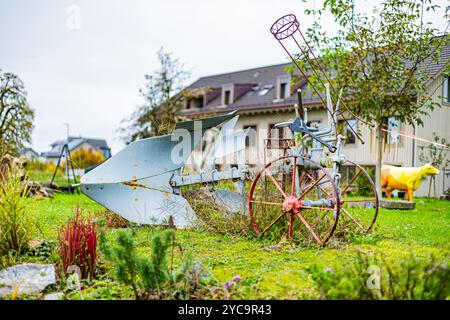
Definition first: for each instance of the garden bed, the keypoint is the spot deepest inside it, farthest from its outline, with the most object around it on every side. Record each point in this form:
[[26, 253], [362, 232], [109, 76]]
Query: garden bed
[[268, 269]]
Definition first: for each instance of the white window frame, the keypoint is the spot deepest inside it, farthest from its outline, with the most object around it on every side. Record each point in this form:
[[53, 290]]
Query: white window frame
[[227, 87]]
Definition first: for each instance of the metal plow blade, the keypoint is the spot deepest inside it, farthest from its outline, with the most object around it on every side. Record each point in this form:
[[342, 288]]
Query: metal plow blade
[[228, 141], [141, 205], [136, 182], [140, 159]]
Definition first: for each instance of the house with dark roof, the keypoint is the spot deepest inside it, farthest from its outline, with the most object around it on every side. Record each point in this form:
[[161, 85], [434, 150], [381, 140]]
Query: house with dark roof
[[266, 95], [29, 153], [76, 143]]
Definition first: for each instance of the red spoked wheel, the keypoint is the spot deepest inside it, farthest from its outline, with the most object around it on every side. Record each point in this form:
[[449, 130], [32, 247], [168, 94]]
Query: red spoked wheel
[[359, 199], [296, 195]]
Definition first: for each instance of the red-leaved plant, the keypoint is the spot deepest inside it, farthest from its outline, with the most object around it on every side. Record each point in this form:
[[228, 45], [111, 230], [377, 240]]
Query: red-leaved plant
[[78, 244]]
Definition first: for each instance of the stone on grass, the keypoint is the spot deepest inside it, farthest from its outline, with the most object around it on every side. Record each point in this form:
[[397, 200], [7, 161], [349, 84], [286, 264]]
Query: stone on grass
[[54, 296], [398, 204], [27, 278]]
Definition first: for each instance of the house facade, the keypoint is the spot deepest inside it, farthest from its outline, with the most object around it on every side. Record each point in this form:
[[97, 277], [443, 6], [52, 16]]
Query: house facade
[[265, 96], [29, 153], [74, 144]]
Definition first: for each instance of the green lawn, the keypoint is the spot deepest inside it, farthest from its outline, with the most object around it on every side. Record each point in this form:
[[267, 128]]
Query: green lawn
[[267, 272], [46, 176]]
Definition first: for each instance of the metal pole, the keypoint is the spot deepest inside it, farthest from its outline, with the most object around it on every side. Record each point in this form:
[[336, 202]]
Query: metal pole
[[57, 166], [66, 148], [73, 170]]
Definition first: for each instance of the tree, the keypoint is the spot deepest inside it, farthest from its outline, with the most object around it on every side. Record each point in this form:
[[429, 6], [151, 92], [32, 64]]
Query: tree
[[16, 116], [163, 100], [379, 61], [436, 155]]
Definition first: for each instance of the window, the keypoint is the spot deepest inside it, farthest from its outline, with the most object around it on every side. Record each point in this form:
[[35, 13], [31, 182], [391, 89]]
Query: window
[[251, 149], [265, 90], [446, 90], [283, 87], [393, 127], [446, 180], [227, 94], [346, 131], [250, 139], [274, 135], [195, 103], [227, 97], [254, 90], [283, 90]]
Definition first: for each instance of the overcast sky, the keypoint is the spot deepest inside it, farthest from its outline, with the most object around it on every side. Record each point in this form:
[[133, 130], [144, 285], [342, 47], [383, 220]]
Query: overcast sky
[[87, 71]]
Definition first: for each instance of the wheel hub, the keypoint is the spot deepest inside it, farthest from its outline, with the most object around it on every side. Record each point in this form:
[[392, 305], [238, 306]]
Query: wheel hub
[[291, 203]]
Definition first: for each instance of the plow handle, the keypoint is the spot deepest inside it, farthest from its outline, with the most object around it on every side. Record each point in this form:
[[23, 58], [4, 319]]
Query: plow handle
[[300, 104]]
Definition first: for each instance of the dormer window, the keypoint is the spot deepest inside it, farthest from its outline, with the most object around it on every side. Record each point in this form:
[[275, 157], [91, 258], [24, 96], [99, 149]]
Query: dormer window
[[227, 97], [196, 102], [228, 94], [283, 89]]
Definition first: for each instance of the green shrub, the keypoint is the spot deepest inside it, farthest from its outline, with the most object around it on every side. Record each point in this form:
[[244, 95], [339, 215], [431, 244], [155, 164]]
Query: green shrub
[[16, 221], [370, 277], [151, 278]]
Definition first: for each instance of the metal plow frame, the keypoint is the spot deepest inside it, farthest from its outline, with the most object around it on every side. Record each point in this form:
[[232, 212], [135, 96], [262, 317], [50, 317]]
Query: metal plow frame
[[142, 183]]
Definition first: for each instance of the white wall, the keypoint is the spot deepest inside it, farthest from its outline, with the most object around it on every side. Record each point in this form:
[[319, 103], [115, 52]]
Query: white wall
[[439, 122]]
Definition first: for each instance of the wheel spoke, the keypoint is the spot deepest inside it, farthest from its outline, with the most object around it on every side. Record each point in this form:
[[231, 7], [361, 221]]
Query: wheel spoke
[[270, 193], [320, 208], [274, 221], [353, 219], [320, 185], [291, 224], [351, 181], [302, 219], [311, 186], [294, 173], [275, 182], [266, 202]]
